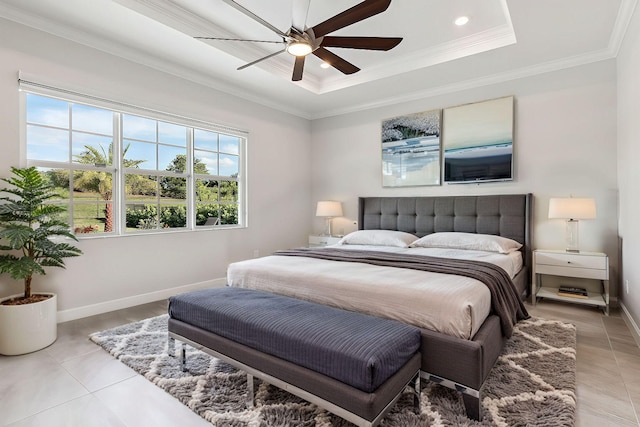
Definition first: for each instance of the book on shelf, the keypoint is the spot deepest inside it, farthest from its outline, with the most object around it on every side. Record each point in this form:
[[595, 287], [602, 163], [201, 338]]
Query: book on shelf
[[569, 291]]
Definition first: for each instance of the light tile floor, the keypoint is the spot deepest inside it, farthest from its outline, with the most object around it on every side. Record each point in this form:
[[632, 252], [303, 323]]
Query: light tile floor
[[73, 382]]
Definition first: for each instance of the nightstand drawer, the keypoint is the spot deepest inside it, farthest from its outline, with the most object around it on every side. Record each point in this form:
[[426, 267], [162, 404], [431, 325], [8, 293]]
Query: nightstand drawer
[[572, 260], [572, 265]]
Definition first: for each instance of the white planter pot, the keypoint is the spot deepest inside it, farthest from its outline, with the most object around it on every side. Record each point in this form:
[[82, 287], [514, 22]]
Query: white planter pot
[[29, 327]]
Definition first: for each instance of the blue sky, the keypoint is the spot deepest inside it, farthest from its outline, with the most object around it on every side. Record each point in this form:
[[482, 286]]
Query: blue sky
[[48, 136]]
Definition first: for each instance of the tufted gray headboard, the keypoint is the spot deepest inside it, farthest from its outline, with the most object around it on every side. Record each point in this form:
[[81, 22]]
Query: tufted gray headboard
[[503, 215]]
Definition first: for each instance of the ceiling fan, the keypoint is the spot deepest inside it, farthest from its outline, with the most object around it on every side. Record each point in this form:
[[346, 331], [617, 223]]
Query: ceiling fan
[[301, 40]]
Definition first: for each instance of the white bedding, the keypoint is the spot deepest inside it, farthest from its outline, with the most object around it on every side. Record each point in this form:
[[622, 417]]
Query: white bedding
[[450, 304]]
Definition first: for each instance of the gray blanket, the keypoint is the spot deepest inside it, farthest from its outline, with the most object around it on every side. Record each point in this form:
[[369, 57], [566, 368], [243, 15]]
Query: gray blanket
[[505, 301]]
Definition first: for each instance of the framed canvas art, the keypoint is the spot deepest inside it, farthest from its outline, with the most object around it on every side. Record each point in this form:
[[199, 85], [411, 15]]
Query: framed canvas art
[[477, 141], [411, 149]]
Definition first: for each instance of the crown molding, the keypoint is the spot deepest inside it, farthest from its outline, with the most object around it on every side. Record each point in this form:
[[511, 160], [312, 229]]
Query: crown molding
[[547, 67], [625, 13]]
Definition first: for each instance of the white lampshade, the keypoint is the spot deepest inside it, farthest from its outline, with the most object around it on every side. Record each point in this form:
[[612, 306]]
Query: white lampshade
[[329, 208], [572, 208]]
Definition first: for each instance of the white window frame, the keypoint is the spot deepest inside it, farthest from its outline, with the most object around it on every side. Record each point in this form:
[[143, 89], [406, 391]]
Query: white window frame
[[119, 172]]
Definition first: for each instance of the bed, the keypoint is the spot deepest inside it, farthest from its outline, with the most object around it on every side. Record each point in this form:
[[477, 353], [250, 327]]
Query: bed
[[459, 356]]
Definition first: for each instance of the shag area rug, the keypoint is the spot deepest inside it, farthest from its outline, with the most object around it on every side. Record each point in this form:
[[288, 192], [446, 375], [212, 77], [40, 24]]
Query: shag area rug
[[532, 383]]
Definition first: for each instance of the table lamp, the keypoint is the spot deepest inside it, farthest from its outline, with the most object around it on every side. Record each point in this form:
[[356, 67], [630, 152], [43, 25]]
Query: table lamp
[[572, 209], [328, 209]]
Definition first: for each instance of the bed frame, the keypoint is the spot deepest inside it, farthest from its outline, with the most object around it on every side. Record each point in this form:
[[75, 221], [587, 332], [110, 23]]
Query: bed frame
[[461, 364]]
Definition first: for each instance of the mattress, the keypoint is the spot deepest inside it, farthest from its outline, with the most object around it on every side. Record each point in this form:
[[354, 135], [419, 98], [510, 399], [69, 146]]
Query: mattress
[[448, 304]]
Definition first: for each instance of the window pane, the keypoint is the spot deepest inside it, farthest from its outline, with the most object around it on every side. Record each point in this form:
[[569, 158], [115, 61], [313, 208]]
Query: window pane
[[90, 217], [141, 185], [140, 155], [47, 111], [228, 165], [228, 214], [168, 158], [91, 119], [92, 195], [47, 144], [173, 188], [59, 179], [205, 162], [205, 140], [173, 216], [141, 201], [138, 128], [172, 134], [141, 188], [206, 190], [93, 184], [207, 214], [229, 144], [142, 217], [228, 191], [92, 149]]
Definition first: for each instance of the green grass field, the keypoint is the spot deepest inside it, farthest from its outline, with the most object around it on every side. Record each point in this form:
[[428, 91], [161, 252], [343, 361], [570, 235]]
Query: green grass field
[[89, 208]]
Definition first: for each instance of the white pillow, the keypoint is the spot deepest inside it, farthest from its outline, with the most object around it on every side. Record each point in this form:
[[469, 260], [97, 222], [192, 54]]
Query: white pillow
[[378, 238], [478, 242]]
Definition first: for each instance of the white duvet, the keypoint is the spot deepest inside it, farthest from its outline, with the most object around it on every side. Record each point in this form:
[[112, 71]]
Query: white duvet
[[450, 304]]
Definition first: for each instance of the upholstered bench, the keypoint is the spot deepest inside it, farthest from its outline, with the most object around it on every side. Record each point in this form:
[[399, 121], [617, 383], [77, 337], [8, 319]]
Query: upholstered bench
[[351, 364]]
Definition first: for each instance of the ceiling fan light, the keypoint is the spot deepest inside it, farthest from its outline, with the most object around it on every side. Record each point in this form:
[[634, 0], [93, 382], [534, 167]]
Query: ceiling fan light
[[299, 49]]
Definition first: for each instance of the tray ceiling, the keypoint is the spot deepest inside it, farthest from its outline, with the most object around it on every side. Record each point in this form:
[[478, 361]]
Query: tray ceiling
[[504, 39]]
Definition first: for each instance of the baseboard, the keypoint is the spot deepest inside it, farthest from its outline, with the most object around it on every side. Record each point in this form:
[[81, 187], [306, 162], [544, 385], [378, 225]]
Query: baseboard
[[631, 323], [104, 307]]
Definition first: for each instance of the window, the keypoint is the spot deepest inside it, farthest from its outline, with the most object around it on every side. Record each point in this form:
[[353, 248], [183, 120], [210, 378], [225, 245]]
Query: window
[[122, 171]]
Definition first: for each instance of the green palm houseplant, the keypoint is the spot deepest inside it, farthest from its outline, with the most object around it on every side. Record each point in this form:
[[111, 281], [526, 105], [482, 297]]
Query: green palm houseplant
[[28, 222]]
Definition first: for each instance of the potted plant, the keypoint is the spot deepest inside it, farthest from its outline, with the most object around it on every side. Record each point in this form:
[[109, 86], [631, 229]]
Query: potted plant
[[28, 221]]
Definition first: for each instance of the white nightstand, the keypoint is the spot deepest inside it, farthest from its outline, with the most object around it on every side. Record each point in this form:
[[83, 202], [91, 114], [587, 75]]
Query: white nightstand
[[583, 265], [316, 241]]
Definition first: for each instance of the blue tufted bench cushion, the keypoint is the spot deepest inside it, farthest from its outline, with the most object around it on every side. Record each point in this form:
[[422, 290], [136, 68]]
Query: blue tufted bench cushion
[[356, 349]]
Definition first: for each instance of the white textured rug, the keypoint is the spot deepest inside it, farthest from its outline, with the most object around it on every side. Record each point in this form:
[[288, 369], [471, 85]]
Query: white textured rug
[[532, 383]]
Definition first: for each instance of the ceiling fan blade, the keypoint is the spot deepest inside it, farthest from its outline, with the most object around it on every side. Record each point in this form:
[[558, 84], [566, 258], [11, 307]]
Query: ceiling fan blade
[[254, 17], [298, 68], [335, 61], [239, 40], [261, 59], [299, 13], [364, 10], [369, 43]]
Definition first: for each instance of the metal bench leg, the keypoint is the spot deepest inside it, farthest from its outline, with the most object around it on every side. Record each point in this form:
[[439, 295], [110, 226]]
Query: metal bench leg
[[250, 403], [183, 357], [171, 347], [417, 389], [473, 407]]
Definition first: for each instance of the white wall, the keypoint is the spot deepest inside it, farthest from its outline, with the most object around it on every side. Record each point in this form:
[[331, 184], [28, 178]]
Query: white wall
[[565, 144], [125, 270], [628, 167]]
